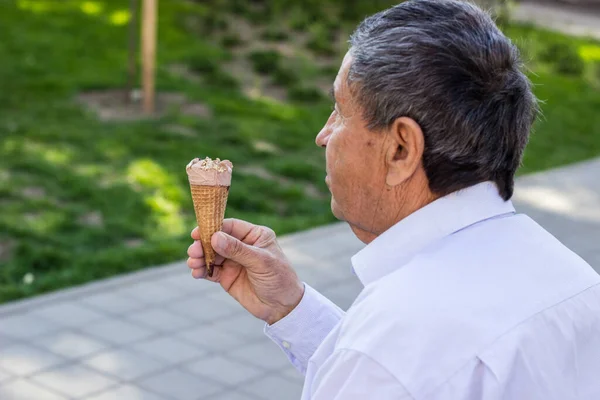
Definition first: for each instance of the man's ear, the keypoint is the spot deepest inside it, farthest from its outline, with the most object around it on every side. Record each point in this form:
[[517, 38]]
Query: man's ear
[[404, 153]]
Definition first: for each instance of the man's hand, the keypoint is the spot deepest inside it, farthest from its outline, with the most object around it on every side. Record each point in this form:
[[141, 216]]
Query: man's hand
[[254, 269]]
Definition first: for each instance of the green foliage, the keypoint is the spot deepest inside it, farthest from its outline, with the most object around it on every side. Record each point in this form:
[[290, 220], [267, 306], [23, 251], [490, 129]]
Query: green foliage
[[564, 57], [305, 94], [275, 34], [83, 199], [265, 62], [231, 40], [284, 76]]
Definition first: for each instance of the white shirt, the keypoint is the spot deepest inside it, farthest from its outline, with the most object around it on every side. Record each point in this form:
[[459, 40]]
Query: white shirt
[[464, 299]]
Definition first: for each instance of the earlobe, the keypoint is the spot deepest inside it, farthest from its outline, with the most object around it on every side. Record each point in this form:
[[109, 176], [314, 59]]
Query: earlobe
[[405, 150]]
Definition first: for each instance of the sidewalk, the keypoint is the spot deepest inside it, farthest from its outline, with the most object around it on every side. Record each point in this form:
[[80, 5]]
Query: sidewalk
[[159, 334], [564, 18]]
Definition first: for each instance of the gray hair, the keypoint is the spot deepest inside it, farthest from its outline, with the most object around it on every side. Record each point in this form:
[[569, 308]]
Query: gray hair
[[445, 64]]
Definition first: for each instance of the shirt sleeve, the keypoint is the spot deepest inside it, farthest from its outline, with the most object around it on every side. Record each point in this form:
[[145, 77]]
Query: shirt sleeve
[[352, 375], [302, 331]]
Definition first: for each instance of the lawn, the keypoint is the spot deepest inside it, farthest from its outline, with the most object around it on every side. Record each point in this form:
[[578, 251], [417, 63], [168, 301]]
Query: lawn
[[82, 197]]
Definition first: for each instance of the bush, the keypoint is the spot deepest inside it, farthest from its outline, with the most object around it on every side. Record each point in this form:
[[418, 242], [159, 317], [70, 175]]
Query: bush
[[274, 35], [564, 58], [305, 94], [284, 77], [222, 80], [231, 40], [265, 62], [202, 65], [322, 40]]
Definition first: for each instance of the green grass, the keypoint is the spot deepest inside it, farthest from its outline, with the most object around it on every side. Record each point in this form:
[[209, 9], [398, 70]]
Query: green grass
[[82, 199]]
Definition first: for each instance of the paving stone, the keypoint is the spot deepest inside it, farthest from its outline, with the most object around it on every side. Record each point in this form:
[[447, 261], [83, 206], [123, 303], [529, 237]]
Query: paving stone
[[294, 375], [274, 388], [5, 376], [231, 395], [112, 302], [126, 392], [124, 364], [24, 390], [70, 344], [160, 320], [169, 349], [69, 314], [212, 338], [117, 331], [204, 309], [25, 326], [243, 324], [73, 380], [180, 385], [22, 359], [186, 284], [150, 292], [224, 370], [264, 355]]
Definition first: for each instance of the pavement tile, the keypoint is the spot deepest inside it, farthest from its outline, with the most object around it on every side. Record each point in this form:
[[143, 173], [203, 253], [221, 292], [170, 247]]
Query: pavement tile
[[274, 388], [231, 395], [124, 364], [180, 385], [150, 292], [264, 355], [160, 320], [224, 370], [112, 302], [186, 284], [117, 331], [212, 338], [169, 349], [5, 376], [126, 392], [242, 324], [69, 314], [293, 374], [73, 380], [25, 326], [204, 309], [71, 345], [24, 390], [22, 359]]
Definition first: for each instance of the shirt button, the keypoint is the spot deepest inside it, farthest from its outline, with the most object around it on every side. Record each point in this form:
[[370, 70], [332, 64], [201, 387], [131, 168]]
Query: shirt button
[[285, 344]]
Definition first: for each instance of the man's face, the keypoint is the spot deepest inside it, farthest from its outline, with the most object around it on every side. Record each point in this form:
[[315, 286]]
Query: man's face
[[355, 162]]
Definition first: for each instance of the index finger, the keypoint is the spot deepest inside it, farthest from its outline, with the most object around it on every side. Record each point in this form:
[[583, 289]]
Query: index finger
[[237, 228], [232, 226]]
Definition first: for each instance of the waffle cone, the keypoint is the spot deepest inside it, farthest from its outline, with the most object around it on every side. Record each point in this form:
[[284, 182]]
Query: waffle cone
[[209, 205]]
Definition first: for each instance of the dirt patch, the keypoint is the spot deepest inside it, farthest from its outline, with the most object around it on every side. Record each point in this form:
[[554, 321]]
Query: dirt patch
[[180, 130], [6, 249], [183, 71], [93, 219], [196, 110], [265, 147], [33, 192], [113, 105], [133, 243]]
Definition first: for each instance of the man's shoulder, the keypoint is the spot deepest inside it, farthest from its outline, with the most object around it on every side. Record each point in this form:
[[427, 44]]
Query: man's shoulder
[[436, 313]]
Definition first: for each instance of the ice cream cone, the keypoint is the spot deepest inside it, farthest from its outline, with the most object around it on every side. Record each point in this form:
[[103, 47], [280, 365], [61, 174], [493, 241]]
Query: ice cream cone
[[209, 183], [209, 205]]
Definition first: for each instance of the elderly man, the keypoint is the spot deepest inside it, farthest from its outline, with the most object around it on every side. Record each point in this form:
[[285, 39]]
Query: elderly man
[[463, 298]]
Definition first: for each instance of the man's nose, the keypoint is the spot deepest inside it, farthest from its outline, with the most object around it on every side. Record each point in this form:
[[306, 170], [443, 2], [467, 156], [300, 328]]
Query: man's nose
[[323, 136]]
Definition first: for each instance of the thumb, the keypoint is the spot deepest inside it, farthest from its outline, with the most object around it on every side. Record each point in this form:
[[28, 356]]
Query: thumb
[[235, 250]]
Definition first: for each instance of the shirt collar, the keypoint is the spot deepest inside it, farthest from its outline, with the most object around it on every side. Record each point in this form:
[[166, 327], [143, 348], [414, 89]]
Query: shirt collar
[[444, 216]]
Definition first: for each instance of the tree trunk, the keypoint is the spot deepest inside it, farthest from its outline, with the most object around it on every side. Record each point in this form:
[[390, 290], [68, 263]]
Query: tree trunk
[[132, 50]]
